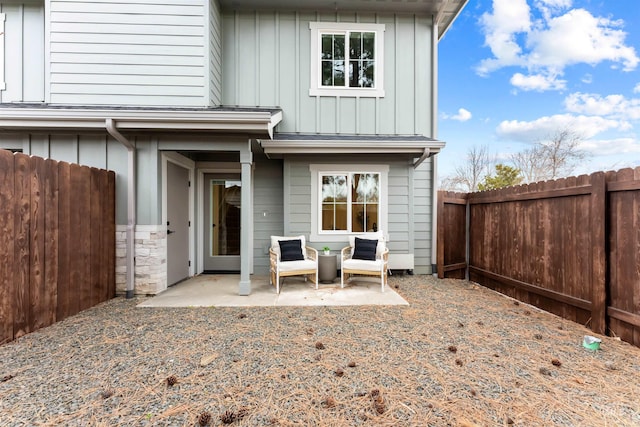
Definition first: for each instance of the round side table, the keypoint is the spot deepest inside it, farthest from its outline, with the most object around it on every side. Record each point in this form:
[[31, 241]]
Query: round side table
[[327, 268]]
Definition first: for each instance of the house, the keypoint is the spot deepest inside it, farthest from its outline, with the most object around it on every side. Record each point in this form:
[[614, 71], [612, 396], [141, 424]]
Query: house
[[227, 121]]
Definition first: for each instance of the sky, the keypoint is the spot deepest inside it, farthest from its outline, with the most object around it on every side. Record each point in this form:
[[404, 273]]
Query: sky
[[514, 72]]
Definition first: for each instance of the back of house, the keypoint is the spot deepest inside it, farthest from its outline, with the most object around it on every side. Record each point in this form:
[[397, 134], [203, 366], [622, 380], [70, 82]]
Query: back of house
[[227, 122]]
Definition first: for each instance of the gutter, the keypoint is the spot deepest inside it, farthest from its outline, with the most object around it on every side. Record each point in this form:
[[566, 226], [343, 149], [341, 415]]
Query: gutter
[[434, 134], [131, 203]]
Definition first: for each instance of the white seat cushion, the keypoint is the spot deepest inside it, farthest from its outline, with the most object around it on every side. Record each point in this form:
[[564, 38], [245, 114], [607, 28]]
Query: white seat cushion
[[288, 266], [361, 264]]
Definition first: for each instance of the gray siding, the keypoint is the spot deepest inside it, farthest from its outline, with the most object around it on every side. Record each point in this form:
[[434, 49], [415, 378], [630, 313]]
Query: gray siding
[[24, 62], [267, 63], [409, 206], [215, 53], [267, 210], [139, 52]]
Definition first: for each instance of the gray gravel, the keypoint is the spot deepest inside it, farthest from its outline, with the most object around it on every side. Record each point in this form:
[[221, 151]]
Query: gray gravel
[[458, 355]]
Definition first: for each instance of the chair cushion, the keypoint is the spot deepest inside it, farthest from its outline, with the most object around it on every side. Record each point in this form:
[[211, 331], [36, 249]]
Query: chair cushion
[[360, 264], [291, 250], [275, 246], [306, 264], [365, 249]]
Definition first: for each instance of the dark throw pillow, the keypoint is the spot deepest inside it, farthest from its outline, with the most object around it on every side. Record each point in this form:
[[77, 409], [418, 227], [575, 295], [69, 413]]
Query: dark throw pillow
[[365, 249], [291, 250]]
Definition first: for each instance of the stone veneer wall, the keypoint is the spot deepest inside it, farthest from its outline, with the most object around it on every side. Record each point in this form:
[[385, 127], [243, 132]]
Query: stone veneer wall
[[150, 259]]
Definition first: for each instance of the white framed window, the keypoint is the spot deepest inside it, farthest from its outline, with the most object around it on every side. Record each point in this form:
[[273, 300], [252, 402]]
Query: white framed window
[[347, 199], [347, 59], [3, 17]]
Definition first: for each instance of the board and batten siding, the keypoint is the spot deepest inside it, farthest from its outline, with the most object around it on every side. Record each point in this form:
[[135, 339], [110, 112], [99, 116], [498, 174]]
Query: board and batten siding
[[267, 61], [267, 210], [24, 52], [139, 52], [409, 206], [215, 53]]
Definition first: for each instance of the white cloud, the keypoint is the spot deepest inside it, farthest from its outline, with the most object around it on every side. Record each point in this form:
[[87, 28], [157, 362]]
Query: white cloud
[[579, 37], [608, 147], [539, 129], [462, 116], [548, 39], [636, 89], [611, 106], [509, 18], [538, 82], [587, 79]]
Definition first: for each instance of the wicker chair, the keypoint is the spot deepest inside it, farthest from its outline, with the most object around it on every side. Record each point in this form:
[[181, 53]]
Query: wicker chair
[[366, 267], [279, 269]]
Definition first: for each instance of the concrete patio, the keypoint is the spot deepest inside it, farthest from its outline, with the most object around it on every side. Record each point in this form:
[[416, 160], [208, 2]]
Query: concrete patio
[[221, 290]]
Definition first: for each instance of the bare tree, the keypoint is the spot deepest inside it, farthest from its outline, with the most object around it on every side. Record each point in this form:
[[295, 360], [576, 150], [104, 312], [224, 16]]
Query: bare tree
[[555, 157], [468, 175]]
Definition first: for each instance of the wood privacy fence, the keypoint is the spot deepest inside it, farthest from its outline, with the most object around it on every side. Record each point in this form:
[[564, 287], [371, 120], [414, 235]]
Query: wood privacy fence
[[570, 247], [57, 241]]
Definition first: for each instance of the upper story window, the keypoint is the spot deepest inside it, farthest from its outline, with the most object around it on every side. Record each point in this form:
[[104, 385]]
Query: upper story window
[[3, 86], [347, 59]]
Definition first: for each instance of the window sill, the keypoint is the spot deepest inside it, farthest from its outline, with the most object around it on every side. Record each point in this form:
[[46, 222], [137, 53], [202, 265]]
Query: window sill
[[347, 93]]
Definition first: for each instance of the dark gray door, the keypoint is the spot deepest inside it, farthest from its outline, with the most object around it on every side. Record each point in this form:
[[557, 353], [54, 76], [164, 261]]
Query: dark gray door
[[177, 223]]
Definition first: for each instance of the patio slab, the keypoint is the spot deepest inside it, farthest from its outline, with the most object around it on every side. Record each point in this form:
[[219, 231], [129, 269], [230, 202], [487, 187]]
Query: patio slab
[[221, 290]]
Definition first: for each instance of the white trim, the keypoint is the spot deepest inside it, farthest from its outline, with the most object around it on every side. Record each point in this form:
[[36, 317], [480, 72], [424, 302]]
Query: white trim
[[202, 169], [317, 169], [318, 28], [206, 120], [3, 85], [188, 164]]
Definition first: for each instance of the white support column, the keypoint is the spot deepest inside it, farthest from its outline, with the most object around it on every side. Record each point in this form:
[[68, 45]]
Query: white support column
[[246, 247]]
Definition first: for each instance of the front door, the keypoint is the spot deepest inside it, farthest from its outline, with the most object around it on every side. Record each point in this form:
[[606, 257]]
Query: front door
[[177, 223], [222, 222]]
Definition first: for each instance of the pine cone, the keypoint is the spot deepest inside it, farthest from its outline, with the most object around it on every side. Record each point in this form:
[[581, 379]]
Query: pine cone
[[171, 380], [204, 419], [228, 417]]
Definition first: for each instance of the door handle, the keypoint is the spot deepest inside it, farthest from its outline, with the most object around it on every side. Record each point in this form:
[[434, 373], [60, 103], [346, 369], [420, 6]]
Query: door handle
[[170, 231]]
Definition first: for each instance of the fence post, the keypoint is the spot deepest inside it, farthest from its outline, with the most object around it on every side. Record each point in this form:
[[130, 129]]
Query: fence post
[[440, 236], [599, 261]]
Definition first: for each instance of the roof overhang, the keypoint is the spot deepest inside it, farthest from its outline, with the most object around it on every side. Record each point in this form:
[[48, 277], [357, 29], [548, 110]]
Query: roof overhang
[[412, 147], [260, 122], [445, 11]]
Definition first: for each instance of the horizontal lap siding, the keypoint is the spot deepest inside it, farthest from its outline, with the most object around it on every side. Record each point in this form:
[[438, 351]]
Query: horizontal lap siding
[[215, 53], [134, 53]]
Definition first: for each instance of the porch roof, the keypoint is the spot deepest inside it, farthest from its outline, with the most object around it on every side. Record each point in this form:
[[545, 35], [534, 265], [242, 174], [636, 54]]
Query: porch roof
[[444, 11], [258, 121], [411, 146]]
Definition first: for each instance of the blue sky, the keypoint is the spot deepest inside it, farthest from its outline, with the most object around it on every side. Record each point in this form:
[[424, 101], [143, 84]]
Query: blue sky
[[513, 72]]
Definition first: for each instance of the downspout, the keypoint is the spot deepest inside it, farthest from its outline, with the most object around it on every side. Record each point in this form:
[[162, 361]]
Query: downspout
[[434, 135], [131, 203]]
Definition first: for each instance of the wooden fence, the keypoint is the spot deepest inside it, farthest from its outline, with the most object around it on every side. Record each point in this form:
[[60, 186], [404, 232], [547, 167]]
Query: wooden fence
[[570, 247], [57, 241]]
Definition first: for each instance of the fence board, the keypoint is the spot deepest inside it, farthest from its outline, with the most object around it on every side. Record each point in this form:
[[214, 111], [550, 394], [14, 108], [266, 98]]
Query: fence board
[[51, 241], [567, 246], [21, 264], [37, 309], [65, 245], [7, 288], [57, 241], [451, 259]]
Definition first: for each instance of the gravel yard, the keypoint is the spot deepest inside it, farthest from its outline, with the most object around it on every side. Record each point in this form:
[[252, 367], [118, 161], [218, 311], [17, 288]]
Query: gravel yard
[[459, 355]]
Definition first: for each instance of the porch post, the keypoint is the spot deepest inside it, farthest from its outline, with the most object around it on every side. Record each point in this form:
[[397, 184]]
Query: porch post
[[246, 251]]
